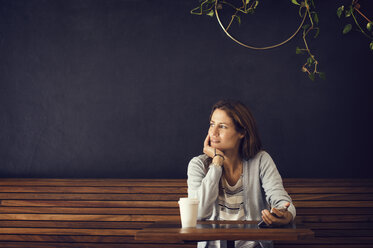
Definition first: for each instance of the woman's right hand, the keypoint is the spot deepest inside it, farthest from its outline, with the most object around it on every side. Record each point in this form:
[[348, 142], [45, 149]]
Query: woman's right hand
[[211, 152]]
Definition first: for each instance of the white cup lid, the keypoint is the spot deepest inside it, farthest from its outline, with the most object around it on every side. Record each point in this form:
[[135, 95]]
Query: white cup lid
[[189, 200]]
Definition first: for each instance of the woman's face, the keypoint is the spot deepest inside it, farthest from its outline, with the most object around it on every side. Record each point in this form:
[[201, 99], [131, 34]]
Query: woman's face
[[222, 132]]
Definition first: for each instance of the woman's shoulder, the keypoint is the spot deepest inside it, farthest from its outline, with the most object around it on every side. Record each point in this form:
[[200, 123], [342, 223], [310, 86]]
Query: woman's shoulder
[[261, 160], [201, 159], [198, 164], [261, 156]]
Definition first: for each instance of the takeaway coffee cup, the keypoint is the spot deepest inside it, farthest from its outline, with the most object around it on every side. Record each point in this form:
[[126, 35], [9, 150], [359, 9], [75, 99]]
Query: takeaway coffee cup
[[188, 212]]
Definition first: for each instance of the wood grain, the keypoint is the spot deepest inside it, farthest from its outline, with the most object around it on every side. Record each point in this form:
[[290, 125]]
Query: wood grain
[[37, 212]]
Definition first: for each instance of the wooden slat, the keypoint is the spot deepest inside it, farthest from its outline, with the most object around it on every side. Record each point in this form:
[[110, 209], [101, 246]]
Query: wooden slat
[[332, 197], [328, 190], [328, 182], [167, 190], [166, 197], [93, 196], [68, 231], [344, 233], [331, 241], [108, 204], [70, 238], [76, 224], [334, 204], [171, 204], [323, 245], [110, 190], [293, 182], [335, 218], [74, 210], [67, 238], [88, 245], [334, 211], [88, 217], [92, 182], [340, 225]]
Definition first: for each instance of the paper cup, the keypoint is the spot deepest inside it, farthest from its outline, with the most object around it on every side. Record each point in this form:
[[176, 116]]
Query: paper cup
[[188, 212]]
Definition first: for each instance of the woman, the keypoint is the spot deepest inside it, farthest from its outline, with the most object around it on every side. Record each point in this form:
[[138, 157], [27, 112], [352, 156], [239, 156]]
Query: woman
[[235, 179]]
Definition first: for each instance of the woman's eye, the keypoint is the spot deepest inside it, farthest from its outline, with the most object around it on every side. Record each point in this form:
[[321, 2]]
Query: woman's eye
[[211, 124], [222, 126]]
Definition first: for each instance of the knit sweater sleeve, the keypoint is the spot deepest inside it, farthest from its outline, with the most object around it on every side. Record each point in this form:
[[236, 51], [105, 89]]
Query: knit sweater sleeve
[[203, 184], [272, 184]]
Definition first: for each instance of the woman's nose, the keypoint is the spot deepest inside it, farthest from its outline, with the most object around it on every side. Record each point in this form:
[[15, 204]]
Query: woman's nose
[[214, 131]]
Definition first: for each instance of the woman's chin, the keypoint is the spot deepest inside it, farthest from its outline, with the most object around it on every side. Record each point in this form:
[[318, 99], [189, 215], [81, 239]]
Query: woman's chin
[[216, 145]]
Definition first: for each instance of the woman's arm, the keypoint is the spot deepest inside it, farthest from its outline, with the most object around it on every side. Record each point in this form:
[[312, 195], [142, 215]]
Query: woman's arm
[[204, 186], [276, 195]]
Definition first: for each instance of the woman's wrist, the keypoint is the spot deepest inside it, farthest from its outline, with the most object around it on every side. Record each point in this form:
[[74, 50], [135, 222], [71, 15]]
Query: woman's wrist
[[218, 160]]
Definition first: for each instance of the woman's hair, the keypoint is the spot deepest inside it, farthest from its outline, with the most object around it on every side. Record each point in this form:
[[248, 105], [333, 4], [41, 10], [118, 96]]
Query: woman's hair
[[244, 123]]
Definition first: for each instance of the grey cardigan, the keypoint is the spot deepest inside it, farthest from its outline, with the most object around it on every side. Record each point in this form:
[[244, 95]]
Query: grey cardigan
[[262, 188]]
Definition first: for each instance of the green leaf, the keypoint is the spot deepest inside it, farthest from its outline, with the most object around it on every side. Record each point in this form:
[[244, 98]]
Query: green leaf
[[211, 13], [312, 76], [298, 50], [347, 28], [370, 26], [300, 10], [256, 4], [316, 18], [340, 11], [247, 2], [322, 75], [310, 61], [295, 2], [371, 46], [349, 11]]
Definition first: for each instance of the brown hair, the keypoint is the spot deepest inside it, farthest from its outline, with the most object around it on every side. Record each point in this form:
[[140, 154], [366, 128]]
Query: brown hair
[[244, 122]]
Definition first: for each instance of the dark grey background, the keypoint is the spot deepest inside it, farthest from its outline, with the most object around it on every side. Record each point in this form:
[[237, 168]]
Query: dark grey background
[[123, 88]]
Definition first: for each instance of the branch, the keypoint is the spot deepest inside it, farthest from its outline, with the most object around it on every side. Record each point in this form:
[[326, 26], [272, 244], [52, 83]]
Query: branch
[[358, 11]]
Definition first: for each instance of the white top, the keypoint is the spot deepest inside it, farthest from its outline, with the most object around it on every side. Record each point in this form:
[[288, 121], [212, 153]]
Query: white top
[[231, 200], [231, 208]]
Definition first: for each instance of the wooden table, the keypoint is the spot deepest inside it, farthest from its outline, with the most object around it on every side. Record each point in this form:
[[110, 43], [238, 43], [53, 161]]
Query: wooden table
[[171, 231]]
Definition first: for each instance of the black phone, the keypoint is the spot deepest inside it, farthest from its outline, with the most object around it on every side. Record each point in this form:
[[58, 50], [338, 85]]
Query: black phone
[[262, 224]]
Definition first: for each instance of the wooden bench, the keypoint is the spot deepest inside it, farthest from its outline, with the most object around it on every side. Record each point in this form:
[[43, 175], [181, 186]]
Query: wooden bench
[[108, 212]]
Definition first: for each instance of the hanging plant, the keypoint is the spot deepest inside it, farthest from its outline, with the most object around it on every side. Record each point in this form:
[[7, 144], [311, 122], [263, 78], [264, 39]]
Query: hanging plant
[[351, 12], [309, 25]]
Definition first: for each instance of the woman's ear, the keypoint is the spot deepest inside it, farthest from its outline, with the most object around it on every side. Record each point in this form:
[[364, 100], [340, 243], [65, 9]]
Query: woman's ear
[[242, 135]]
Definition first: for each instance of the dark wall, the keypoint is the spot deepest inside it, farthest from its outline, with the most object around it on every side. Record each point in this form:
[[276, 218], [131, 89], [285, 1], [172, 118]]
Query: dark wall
[[123, 88]]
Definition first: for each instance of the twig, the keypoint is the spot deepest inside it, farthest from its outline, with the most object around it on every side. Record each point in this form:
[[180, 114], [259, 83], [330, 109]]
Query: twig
[[358, 11]]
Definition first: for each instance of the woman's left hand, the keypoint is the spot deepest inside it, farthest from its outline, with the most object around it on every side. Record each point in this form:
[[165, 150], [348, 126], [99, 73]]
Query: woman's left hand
[[278, 217]]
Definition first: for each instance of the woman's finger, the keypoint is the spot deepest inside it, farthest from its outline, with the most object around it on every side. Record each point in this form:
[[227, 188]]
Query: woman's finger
[[269, 216], [277, 212], [207, 141], [266, 219]]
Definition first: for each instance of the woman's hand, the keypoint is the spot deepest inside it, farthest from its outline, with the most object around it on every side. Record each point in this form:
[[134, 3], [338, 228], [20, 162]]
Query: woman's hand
[[211, 152], [282, 217]]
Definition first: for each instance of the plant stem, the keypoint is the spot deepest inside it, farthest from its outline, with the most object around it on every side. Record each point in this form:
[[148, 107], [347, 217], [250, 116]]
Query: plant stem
[[231, 20], [357, 24], [305, 33], [358, 11]]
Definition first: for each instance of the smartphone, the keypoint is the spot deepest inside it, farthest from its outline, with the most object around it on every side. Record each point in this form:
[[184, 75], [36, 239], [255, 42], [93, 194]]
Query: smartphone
[[262, 224]]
